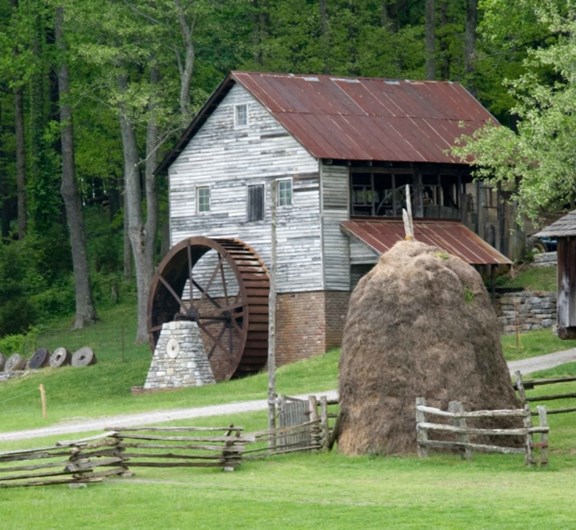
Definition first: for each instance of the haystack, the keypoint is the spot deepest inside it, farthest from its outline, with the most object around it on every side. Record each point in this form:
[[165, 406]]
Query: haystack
[[420, 323]]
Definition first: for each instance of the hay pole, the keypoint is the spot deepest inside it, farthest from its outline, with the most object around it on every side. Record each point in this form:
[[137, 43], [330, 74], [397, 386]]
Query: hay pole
[[407, 217]]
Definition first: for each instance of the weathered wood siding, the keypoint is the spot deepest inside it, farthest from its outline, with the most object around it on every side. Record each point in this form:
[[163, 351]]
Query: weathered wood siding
[[335, 244], [361, 253], [567, 287], [228, 160]]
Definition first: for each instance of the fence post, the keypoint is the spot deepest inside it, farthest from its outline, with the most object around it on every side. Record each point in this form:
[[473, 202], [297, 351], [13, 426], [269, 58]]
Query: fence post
[[543, 417], [231, 451], [529, 459], [421, 432], [316, 428], [119, 449], [456, 408], [520, 387], [324, 421]]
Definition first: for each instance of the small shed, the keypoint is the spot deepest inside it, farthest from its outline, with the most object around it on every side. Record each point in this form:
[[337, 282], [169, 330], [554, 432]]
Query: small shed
[[564, 230]]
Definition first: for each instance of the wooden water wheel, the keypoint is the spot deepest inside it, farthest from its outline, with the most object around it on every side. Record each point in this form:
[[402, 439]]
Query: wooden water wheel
[[222, 285]]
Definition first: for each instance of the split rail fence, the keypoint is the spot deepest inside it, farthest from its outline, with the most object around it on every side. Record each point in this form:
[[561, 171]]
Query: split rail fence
[[81, 461], [522, 386], [458, 426], [305, 425], [180, 446]]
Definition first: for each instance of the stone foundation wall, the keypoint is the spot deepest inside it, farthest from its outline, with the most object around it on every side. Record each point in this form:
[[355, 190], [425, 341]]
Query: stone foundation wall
[[525, 310]]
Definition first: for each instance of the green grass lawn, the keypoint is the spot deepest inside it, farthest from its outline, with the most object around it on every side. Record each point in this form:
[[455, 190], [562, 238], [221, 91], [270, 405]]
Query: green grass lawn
[[326, 490], [311, 491]]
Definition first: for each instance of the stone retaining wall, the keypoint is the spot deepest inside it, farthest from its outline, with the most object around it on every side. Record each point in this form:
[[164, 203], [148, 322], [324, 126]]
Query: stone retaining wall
[[525, 310]]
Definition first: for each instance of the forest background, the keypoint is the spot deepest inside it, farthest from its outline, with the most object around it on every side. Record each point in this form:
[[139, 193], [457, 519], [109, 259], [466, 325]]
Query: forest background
[[94, 93]]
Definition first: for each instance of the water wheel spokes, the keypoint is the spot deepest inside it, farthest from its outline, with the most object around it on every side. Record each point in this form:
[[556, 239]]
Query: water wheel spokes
[[222, 285]]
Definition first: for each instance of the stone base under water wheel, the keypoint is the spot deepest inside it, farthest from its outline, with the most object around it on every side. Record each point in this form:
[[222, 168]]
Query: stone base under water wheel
[[179, 358]]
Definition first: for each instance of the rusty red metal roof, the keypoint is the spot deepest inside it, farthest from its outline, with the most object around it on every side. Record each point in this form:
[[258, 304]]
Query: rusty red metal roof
[[360, 118], [357, 118], [452, 236]]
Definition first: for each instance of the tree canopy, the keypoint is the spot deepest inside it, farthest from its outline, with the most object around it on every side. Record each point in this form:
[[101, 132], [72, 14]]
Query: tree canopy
[[137, 71], [536, 160]]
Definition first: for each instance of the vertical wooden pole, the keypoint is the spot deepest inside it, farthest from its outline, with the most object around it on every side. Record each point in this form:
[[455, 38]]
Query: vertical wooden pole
[[407, 217], [543, 417], [315, 430], [518, 324], [421, 432], [529, 459], [520, 387], [456, 408], [43, 400], [324, 422], [272, 319]]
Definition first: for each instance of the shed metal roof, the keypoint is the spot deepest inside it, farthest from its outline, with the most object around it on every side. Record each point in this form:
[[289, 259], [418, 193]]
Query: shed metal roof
[[358, 118], [452, 236], [364, 118], [563, 227]]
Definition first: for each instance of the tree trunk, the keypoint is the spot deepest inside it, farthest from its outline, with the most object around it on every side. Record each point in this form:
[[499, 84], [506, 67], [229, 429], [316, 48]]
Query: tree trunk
[[444, 52], [260, 30], [140, 239], [430, 39], [188, 65], [470, 44], [85, 312], [324, 36], [151, 226], [126, 248], [20, 160]]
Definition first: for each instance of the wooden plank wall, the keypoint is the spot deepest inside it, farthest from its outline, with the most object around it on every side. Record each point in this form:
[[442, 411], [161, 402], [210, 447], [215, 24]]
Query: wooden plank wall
[[228, 160], [335, 244], [567, 287]]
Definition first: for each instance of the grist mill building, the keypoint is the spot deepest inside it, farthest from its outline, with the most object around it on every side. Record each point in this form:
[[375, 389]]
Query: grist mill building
[[337, 153]]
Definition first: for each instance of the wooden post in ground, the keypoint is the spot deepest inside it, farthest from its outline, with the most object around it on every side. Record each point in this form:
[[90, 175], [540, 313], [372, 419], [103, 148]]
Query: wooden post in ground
[[324, 422], [43, 400], [316, 432], [520, 387], [543, 417], [456, 408], [529, 459], [421, 433], [272, 320]]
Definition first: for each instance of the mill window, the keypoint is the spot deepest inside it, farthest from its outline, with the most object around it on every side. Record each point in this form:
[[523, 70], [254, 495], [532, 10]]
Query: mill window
[[202, 199], [255, 203], [284, 189], [241, 116]]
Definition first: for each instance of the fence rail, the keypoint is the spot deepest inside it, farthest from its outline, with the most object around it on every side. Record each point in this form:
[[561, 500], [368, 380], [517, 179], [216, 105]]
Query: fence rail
[[88, 460], [123, 448], [180, 446], [462, 432], [522, 386]]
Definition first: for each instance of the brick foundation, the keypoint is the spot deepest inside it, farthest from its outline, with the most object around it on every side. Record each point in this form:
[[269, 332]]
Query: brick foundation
[[309, 324]]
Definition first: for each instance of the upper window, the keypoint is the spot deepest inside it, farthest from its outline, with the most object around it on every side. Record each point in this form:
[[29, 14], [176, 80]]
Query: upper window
[[202, 199], [284, 189], [255, 203], [241, 116]]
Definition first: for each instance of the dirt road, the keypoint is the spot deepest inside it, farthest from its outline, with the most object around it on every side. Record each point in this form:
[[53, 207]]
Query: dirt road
[[526, 366]]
